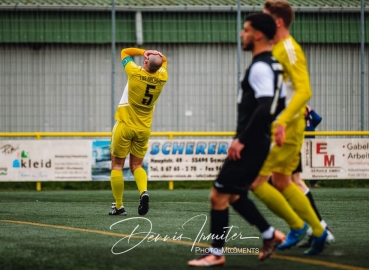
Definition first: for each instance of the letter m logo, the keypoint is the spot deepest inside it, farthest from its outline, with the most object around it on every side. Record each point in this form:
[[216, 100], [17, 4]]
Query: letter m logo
[[328, 160]]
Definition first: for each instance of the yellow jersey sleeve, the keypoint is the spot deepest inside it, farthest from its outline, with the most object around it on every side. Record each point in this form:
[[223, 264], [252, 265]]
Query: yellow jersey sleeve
[[128, 52], [164, 65], [296, 77]]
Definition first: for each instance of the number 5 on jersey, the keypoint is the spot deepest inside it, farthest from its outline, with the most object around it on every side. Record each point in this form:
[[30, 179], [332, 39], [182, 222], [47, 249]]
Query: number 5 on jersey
[[148, 97]]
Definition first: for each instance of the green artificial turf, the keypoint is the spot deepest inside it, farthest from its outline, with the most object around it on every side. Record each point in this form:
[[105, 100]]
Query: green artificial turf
[[72, 230]]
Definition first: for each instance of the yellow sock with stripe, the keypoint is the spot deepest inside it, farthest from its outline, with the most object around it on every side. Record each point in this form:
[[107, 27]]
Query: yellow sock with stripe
[[275, 201], [141, 179], [117, 187], [303, 208]]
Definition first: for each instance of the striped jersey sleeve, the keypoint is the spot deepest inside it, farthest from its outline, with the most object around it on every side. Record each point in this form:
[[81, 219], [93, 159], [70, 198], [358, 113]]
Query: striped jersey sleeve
[[295, 74]]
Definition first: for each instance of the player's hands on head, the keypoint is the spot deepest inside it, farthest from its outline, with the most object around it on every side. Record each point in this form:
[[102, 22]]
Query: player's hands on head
[[280, 135], [149, 52], [234, 151]]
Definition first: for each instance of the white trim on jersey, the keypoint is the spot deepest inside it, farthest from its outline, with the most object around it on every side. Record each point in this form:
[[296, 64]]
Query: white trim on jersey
[[290, 49], [273, 108], [124, 100], [261, 79], [290, 90], [240, 91], [283, 90]]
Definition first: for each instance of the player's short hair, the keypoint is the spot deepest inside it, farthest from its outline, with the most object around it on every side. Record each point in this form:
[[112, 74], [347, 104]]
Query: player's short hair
[[263, 23], [280, 9], [154, 63]]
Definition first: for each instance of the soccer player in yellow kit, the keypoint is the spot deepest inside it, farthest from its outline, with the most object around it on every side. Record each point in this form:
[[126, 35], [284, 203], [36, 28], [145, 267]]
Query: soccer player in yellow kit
[[288, 132], [132, 130]]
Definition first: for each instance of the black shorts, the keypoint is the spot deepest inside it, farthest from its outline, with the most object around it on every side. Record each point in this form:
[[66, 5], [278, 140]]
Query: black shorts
[[299, 167], [235, 177]]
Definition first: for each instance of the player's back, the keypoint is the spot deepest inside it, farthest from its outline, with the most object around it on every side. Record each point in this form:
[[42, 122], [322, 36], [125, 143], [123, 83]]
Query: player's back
[[264, 67], [142, 91]]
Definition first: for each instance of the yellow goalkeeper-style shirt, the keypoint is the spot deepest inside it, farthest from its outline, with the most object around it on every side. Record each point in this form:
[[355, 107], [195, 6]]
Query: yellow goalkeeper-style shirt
[[296, 78], [136, 106]]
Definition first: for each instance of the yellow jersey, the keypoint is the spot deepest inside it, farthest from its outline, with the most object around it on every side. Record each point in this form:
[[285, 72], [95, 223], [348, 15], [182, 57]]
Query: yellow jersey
[[142, 91], [296, 78]]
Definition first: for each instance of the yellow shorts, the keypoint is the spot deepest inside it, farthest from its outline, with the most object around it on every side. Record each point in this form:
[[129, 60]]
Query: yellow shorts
[[282, 159], [285, 159], [126, 140]]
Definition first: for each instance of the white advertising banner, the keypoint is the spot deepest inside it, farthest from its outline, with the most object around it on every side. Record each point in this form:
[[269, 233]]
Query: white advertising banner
[[335, 159], [186, 159], [182, 159], [53, 160]]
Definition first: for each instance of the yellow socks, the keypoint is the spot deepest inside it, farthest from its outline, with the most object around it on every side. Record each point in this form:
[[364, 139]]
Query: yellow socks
[[141, 179], [274, 200], [117, 186], [303, 208]]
